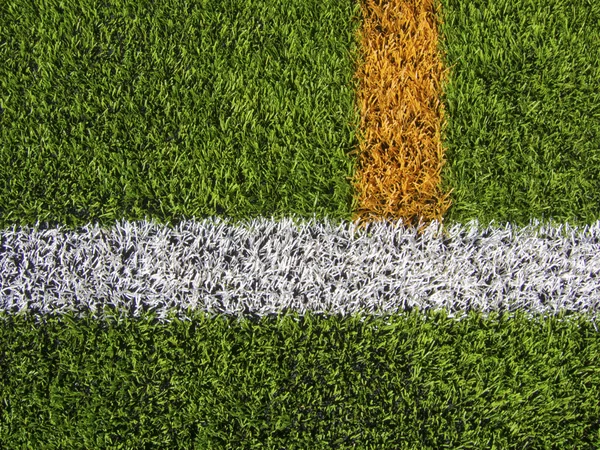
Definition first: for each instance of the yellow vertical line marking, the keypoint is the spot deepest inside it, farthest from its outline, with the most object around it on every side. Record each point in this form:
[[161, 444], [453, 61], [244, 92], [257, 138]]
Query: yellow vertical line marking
[[400, 78]]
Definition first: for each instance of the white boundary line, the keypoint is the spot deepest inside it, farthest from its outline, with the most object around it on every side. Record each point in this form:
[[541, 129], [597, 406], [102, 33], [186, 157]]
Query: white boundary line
[[266, 266]]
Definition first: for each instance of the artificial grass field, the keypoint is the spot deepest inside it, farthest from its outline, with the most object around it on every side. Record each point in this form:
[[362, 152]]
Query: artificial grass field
[[301, 383], [175, 110]]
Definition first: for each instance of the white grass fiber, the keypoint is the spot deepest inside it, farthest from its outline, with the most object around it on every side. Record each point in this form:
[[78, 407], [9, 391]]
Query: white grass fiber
[[267, 267]]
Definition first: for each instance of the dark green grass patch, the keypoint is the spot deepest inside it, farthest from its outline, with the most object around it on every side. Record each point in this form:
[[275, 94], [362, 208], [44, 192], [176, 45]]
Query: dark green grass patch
[[421, 380], [523, 110], [171, 110]]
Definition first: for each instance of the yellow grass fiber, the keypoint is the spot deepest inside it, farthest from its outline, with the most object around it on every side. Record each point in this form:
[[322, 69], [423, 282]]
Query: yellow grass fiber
[[400, 78]]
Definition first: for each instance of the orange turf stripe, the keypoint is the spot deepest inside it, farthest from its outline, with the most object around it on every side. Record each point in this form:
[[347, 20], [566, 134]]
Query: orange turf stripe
[[400, 151]]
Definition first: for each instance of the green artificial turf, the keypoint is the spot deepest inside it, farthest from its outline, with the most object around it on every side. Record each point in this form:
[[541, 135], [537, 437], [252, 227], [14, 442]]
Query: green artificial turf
[[421, 380], [174, 110], [523, 110], [181, 109]]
